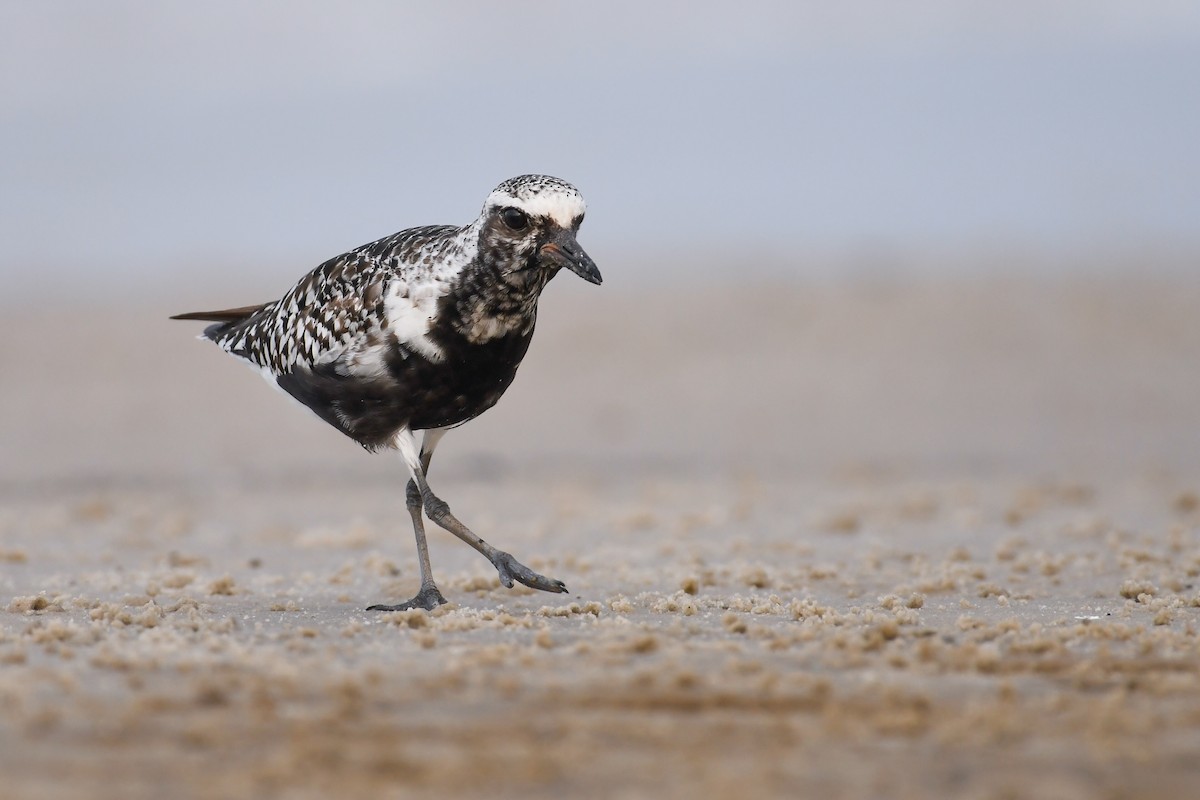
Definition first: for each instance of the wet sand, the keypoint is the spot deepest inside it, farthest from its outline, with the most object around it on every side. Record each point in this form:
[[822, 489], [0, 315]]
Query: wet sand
[[882, 539]]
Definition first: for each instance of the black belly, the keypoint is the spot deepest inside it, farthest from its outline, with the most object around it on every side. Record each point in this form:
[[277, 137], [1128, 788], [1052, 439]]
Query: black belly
[[413, 392]]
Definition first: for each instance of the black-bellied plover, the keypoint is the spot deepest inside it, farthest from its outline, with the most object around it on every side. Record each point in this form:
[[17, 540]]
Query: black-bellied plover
[[419, 331]]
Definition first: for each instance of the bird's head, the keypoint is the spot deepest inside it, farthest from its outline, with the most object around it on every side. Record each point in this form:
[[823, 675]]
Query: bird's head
[[533, 220]]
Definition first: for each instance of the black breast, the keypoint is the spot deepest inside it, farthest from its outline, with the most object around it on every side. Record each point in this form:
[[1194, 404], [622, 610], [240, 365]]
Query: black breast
[[413, 392], [466, 383]]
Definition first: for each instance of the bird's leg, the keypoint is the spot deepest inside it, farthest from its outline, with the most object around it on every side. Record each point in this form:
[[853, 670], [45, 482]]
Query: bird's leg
[[428, 597], [509, 568]]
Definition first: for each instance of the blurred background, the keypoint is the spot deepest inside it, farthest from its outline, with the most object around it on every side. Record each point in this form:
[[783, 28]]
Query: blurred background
[[900, 299], [150, 146], [927, 233]]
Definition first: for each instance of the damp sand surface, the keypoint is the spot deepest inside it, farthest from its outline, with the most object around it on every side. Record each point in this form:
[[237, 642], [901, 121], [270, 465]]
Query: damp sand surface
[[931, 539]]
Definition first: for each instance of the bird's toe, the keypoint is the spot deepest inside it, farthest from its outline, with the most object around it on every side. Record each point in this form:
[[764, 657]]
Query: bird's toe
[[512, 570], [428, 598]]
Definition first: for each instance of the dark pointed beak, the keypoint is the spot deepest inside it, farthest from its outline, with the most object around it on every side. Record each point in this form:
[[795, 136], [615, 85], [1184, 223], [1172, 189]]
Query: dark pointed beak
[[564, 251]]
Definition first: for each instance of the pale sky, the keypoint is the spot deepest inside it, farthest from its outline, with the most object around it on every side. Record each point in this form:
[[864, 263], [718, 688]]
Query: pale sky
[[143, 143]]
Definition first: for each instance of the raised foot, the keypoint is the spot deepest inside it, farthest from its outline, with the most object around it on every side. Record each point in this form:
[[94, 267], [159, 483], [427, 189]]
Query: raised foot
[[428, 598], [512, 570]]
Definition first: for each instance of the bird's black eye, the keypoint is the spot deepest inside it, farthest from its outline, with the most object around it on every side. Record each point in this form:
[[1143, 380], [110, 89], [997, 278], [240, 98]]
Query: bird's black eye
[[515, 218]]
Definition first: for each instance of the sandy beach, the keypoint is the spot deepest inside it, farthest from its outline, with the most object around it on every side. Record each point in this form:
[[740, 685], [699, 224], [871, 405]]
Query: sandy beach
[[886, 538]]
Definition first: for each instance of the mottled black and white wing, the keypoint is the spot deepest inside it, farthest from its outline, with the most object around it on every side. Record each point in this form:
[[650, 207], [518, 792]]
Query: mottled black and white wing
[[345, 312], [340, 340]]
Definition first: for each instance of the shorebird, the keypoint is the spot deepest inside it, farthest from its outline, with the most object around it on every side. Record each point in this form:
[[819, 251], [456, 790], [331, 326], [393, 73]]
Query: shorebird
[[420, 331]]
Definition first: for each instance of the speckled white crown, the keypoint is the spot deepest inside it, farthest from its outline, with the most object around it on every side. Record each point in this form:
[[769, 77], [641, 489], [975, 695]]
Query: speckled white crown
[[540, 196]]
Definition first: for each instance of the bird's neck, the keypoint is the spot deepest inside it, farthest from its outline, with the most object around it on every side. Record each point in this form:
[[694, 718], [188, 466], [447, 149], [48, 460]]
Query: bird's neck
[[498, 295]]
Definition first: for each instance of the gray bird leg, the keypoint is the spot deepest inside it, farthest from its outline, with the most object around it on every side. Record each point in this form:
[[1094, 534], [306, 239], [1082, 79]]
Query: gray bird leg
[[428, 597], [509, 568], [420, 498]]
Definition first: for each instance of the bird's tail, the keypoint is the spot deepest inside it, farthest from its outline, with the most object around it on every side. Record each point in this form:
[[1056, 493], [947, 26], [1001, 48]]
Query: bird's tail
[[224, 318]]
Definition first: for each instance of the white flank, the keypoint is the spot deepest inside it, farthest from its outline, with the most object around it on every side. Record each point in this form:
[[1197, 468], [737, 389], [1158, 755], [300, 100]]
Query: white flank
[[410, 309], [366, 358]]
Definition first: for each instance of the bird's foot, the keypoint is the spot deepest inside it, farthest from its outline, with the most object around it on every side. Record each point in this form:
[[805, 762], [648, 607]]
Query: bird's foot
[[428, 598], [512, 570]]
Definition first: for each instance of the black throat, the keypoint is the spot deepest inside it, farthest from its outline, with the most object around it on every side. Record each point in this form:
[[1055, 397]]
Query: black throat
[[498, 297]]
